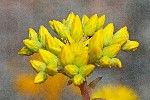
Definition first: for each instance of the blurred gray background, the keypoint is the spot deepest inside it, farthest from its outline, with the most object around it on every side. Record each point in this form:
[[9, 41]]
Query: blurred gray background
[[16, 16]]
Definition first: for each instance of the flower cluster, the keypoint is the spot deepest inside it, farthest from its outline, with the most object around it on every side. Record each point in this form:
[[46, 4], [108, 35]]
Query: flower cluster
[[81, 45]]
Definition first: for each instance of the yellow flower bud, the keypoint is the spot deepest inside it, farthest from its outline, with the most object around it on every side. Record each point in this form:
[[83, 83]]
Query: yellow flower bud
[[59, 42], [130, 46], [95, 46], [108, 33], [120, 41], [66, 55], [42, 32], [59, 28], [100, 22], [95, 54], [77, 32], [84, 20], [122, 33], [86, 70], [112, 50], [90, 27], [52, 44], [78, 79], [25, 51], [32, 34], [71, 70], [81, 59], [41, 77], [116, 62], [37, 65], [96, 40], [48, 57], [51, 70], [32, 45], [69, 21], [105, 61]]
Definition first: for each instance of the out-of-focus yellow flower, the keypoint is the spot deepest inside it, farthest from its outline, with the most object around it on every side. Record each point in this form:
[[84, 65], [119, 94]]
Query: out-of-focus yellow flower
[[130, 46], [23, 83], [115, 92], [90, 26], [40, 77]]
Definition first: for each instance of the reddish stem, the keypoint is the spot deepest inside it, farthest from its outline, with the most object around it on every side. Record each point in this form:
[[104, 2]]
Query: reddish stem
[[85, 91]]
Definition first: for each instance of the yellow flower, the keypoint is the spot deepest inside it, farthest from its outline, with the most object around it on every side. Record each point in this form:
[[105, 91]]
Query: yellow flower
[[95, 46], [59, 28], [90, 27], [42, 33], [115, 92], [52, 45], [130, 46], [84, 20], [25, 51], [48, 57], [71, 70], [81, 45], [33, 35], [86, 70], [78, 79], [32, 45], [100, 22], [40, 77], [66, 55], [77, 32], [108, 34], [38, 65], [69, 21], [111, 51], [51, 69], [105, 61], [81, 59], [116, 62], [121, 36]]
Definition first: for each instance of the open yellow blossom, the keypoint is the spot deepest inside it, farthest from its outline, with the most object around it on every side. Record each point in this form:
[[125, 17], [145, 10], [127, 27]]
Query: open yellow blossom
[[115, 92]]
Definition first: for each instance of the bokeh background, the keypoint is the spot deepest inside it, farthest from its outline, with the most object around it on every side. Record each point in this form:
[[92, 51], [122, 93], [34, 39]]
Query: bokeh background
[[16, 74]]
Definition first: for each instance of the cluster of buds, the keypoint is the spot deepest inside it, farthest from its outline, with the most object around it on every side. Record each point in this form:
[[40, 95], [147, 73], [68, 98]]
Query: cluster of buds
[[82, 44]]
